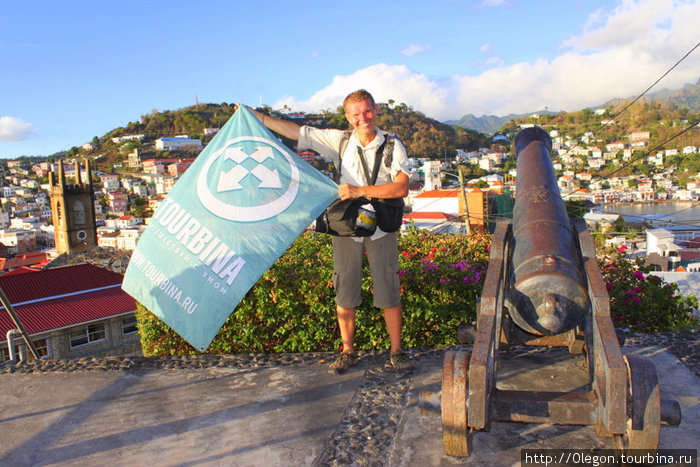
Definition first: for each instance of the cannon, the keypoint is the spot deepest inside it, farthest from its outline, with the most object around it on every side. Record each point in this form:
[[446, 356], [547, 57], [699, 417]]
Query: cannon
[[543, 287]]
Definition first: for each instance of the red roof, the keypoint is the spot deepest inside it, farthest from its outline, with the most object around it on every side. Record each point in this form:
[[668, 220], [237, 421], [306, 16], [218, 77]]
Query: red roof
[[433, 216], [62, 297], [692, 243], [21, 270], [24, 259], [439, 194], [689, 255]]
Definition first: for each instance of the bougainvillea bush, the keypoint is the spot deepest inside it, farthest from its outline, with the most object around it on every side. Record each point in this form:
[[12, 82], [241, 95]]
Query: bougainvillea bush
[[291, 307], [642, 302]]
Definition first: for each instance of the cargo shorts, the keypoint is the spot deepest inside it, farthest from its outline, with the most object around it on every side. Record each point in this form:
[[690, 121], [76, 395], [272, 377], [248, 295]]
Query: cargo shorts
[[383, 258]]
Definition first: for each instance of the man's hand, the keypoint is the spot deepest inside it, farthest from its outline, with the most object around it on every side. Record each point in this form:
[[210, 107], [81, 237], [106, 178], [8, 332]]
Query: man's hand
[[396, 189], [347, 191]]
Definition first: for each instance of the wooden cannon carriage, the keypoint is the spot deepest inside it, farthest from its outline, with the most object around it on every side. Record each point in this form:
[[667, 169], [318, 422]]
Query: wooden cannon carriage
[[543, 287]]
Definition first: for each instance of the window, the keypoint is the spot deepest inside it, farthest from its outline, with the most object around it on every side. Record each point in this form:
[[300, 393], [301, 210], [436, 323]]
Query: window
[[87, 334], [129, 325], [78, 214], [40, 345]]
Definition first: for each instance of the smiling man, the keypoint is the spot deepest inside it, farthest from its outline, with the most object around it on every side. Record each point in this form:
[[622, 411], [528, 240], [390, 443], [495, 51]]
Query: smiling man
[[381, 249]]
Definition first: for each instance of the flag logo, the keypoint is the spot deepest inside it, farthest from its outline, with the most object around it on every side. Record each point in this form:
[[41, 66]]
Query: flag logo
[[242, 166]]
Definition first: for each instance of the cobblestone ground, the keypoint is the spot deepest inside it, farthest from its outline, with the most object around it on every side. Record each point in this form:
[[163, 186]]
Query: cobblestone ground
[[367, 429], [685, 346]]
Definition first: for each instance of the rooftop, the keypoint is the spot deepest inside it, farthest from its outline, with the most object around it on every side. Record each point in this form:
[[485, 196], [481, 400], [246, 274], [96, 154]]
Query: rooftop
[[61, 297]]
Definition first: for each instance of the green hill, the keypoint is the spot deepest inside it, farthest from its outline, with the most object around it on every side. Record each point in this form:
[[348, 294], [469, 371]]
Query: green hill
[[686, 99], [422, 136]]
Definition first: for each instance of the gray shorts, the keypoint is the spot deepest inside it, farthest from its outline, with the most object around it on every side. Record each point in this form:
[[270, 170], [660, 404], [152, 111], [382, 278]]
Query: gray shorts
[[383, 259]]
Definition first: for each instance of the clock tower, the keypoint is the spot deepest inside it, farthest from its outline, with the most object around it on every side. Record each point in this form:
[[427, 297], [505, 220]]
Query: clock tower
[[73, 210]]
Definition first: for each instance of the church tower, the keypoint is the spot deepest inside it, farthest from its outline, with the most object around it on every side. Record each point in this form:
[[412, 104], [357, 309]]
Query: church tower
[[73, 210]]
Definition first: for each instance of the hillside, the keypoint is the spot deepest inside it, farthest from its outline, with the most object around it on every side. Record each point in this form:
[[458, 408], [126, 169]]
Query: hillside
[[422, 136], [687, 98], [661, 118]]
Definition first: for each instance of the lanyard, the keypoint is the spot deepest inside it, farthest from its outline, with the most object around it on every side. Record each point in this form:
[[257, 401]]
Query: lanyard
[[379, 155]]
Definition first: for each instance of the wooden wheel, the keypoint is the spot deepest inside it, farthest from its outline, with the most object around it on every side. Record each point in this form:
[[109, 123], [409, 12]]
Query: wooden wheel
[[643, 406], [456, 437]]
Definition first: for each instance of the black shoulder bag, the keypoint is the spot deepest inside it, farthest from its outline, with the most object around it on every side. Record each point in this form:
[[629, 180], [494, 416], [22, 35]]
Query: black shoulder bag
[[347, 218]]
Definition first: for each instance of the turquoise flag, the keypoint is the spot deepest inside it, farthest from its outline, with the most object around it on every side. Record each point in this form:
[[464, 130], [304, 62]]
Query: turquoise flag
[[237, 209]]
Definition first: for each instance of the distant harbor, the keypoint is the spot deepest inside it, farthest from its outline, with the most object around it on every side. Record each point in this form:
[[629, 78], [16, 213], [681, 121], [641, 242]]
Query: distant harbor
[[671, 212]]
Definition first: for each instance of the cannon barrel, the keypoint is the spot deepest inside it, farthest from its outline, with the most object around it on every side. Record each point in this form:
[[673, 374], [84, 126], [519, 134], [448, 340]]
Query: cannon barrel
[[547, 293]]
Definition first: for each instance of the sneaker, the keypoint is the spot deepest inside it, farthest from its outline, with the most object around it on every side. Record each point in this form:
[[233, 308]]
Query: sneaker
[[344, 361], [400, 361]]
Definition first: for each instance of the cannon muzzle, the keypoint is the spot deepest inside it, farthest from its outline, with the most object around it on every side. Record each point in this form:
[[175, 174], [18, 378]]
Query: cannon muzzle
[[547, 293]]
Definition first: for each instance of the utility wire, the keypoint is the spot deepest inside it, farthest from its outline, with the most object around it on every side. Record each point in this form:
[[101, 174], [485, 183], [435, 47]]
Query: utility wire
[[643, 93], [647, 153], [657, 81], [635, 159]]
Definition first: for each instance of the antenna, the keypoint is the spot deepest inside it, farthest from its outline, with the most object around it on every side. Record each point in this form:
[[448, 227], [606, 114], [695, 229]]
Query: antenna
[[196, 100]]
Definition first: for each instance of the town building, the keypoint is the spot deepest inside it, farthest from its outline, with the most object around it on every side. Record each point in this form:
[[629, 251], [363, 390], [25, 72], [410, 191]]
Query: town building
[[73, 211], [175, 143], [70, 312]]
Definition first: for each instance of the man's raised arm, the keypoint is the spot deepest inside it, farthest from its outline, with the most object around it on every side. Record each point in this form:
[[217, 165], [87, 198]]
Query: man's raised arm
[[283, 127]]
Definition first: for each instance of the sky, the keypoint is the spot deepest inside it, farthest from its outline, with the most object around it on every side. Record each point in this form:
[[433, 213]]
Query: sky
[[71, 70]]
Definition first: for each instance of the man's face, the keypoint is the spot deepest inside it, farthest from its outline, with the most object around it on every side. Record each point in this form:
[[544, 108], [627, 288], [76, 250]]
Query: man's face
[[361, 116]]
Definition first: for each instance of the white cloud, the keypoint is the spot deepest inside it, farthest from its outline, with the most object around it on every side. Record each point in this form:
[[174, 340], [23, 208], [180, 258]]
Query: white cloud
[[385, 82], [619, 54], [415, 49], [14, 129], [631, 24]]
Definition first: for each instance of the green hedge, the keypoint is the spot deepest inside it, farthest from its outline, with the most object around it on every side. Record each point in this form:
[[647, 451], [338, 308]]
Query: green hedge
[[291, 307]]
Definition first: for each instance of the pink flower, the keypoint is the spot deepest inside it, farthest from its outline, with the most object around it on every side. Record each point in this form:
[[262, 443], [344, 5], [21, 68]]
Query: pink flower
[[622, 248], [638, 275]]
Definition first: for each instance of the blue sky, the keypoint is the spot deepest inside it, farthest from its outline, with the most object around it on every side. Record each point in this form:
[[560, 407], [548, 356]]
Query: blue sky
[[74, 69]]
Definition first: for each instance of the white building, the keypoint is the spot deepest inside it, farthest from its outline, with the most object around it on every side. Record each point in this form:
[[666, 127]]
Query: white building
[[167, 144], [433, 175], [445, 201], [121, 139], [660, 241]]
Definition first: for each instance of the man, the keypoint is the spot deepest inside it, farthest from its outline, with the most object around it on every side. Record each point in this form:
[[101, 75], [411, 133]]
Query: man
[[381, 248]]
